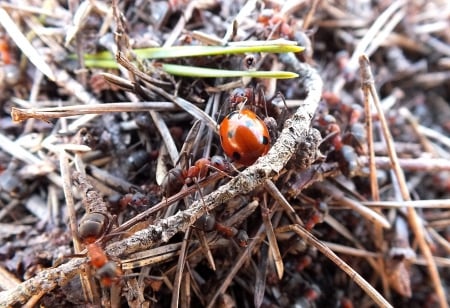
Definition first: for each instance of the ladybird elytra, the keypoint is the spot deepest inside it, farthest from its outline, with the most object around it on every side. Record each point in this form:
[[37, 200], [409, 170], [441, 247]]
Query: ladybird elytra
[[244, 136]]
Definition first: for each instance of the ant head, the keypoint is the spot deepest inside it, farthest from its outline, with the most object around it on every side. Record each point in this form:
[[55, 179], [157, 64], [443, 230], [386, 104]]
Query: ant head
[[93, 226], [198, 171], [173, 182], [109, 274], [238, 96], [220, 163], [242, 238], [250, 62], [206, 222]]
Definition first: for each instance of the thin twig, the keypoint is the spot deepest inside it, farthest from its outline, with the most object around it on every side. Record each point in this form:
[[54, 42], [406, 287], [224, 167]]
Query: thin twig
[[312, 240], [413, 217], [21, 114]]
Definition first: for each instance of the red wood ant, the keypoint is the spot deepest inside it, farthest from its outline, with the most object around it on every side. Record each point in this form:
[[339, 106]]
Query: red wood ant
[[208, 223], [345, 146], [92, 227], [253, 96], [97, 220], [319, 211], [90, 230], [177, 177], [242, 96], [276, 22], [4, 51], [107, 271]]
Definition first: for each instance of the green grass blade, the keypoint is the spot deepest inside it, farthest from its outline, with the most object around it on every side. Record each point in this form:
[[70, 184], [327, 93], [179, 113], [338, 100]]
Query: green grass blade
[[106, 64], [198, 51], [192, 71]]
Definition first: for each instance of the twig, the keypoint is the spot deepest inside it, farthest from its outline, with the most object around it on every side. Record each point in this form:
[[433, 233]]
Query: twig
[[376, 28], [243, 256], [312, 240], [374, 189], [430, 204], [370, 215], [45, 114], [25, 46], [19, 152], [410, 164], [413, 218]]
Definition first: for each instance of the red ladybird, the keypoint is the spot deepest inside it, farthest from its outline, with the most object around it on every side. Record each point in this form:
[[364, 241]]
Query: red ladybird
[[244, 136]]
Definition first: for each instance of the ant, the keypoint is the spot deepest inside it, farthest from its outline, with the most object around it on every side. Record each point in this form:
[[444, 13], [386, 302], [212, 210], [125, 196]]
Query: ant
[[208, 223], [277, 22], [316, 216], [177, 177], [97, 220], [243, 95], [253, 96], [346, 146], [92, 228], [108, 271], [135, 199], [9, 70], [5, 53]]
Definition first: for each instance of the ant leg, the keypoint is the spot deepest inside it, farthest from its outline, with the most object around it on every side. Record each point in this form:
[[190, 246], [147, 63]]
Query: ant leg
[[201, 195]]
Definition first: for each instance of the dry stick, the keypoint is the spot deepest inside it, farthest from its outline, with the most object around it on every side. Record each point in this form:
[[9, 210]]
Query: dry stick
[[425, 204], [17, 151], [175, 301], [67, 188], [376, 27], [413, 122], [240, 260], [44, 281], [413, 218], [45, 114], [68, 196], [273, 245], [374, 189], [268, 166], [313, 241], [372, 216], [410, 164], [310, 15]]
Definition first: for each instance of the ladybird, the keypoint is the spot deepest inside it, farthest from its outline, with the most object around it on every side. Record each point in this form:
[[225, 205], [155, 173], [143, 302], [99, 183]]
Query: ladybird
[[244, 136]]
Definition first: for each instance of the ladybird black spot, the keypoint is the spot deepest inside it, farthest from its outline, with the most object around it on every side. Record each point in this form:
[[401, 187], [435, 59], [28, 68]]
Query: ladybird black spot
[[230, 134], [236, 156], [265, 140]]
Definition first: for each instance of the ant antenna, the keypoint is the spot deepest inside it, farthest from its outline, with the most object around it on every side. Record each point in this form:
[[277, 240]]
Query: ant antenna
[[282, 98], [261, 93]]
